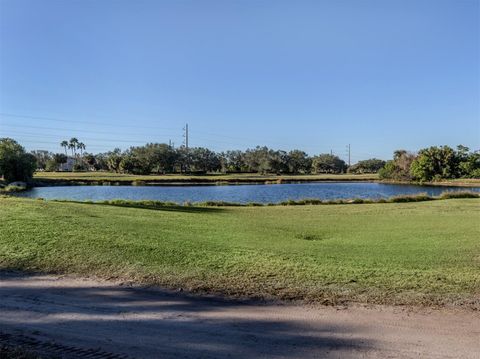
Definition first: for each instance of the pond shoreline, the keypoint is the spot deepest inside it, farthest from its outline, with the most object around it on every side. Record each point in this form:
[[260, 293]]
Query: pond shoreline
[[246, 181], [241, 193], [186, 182]]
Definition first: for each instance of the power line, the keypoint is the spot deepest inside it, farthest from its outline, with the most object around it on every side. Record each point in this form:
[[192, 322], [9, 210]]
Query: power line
[[186, 134], [41, 118], [28, 134], [74, 130], [80, 122]]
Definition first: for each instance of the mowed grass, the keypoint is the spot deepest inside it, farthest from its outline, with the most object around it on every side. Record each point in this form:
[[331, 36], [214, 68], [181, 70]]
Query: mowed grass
[[424, 253], [108, 176]]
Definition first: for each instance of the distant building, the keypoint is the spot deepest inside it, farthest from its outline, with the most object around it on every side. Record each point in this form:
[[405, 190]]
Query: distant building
[[67, 166]]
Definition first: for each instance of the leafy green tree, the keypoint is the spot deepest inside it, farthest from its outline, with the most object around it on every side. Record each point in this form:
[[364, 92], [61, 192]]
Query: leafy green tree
[[435, 163], [42, 158], [399, 168], [469, 162], [162, 156], [258, 160], [372, 165], [299, 162], [204, 160], [137, 160], [90, 160], [233, 161], [113, 160], [15, 163], [54, 163], [278, 161], [327, 163]]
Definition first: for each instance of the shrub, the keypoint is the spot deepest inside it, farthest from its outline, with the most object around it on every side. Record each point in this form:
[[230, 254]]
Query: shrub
[[399, 168], [459, 194], [372, 165], [15, 163], [13, 188], [475, 173], [411, 198]]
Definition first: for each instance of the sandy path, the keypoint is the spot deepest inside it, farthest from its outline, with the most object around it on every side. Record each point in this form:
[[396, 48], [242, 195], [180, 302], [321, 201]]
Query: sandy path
[[119, 321]]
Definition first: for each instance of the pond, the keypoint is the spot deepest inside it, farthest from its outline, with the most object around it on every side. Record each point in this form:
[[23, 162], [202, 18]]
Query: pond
[[237, 193]]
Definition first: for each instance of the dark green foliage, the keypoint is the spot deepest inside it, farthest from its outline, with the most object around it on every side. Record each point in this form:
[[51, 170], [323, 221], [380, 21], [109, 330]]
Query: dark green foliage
[[469, 162], [459, 194], [220, 204], [399, 168], [438, 163], [372, 165], [203, 160], [299, 162], [327, 163], [410, 198], [55, 161], [432, 164], [42, 158], [113, 160], [90, 161], [233, 161], [258, 160], [435, 163], [15, 163]]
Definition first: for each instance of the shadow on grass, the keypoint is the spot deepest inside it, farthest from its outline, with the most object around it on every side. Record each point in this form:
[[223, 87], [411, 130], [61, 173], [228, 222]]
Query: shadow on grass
[[150, 323], [154, 205]]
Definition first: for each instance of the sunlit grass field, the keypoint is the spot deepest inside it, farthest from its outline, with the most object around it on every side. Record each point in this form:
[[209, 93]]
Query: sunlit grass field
[[425, 253], [108, 176]]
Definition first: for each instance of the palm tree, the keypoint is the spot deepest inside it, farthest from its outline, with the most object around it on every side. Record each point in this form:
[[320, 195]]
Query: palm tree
[[73, 146], [64, 144], [81, 147]]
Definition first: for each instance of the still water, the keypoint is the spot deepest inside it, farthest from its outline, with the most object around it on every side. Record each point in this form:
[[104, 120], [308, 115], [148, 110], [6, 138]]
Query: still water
[[237, 193]]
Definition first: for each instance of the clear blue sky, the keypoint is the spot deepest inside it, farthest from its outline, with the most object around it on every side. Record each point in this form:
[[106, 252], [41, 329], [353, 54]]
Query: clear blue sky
[[314, 75]]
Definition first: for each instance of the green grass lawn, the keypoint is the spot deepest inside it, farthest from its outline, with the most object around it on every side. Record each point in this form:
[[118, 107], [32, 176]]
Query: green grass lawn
[[244, 177], [425, 253]]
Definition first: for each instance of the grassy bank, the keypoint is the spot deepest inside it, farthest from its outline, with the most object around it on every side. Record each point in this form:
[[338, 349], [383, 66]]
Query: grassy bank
[[152, 204], [100, 178], [93, 178], [457, 182], [424, 253]]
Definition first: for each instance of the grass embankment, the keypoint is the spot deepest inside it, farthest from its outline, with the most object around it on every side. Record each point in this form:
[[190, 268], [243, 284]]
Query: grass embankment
[[99, 178], [152, 204], [457, 182], [94, 178], [424, 253]]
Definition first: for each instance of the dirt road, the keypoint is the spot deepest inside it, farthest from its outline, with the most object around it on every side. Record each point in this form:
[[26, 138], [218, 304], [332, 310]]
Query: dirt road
[[71, 317]]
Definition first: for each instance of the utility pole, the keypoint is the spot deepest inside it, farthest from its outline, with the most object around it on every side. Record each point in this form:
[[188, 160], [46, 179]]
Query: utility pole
[[185, 136], [348, 155], [185, 143]]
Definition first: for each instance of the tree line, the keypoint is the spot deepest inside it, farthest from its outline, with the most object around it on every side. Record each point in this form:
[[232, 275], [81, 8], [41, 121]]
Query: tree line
[[161, 158], [429, 164], [434, 163]]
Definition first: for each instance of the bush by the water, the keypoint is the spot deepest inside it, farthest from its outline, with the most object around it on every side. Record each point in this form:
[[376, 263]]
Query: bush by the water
[[459, 194], [15, 163], [422, 197], [433, 164]]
